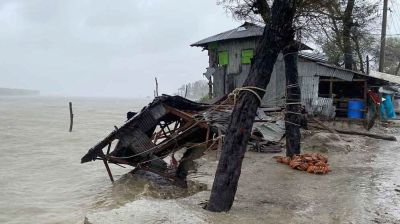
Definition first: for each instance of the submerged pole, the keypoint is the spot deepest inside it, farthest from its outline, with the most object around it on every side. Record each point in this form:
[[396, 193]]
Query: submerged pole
[[71, 116]]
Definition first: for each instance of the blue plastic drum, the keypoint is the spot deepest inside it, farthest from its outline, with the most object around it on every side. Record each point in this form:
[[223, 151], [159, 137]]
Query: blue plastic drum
[[355, 109]]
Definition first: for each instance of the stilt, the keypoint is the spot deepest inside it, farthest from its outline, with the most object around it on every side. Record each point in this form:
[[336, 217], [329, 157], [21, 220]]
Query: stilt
[[108, 170]]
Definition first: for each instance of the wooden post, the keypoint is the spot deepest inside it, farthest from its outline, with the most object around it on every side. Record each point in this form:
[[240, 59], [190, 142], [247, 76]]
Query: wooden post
[[156, 90], [276, 36], [186, 90], [108, 170], [293, 118], [210, 88], [71, 116]]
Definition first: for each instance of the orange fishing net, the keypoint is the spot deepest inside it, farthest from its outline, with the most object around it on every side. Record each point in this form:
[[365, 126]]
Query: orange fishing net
[[312, 163]]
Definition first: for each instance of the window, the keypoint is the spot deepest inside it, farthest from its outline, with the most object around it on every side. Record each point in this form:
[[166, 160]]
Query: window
[[247, 55], [223, 58]]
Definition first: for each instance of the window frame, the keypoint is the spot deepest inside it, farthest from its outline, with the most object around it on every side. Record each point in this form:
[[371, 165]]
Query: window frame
[[246, 60], [220, 53]]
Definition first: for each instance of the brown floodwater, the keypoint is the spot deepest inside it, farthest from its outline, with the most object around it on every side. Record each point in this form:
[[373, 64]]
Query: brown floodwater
[[363, 187], [42, 180]]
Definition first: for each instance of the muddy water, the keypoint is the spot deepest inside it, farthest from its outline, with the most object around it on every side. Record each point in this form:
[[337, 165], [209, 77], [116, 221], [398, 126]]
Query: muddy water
[[360, 189], [41, 180]]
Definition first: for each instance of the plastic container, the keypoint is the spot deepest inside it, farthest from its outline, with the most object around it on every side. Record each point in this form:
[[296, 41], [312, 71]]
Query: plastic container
[[355, 109], [388, 107]]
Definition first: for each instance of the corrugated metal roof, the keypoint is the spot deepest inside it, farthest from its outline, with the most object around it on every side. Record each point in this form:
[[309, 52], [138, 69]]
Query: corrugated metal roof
[[384, 76], [313, 57], [247, 30], [337, 72], [243, 31], [343, 73], [340, 68]]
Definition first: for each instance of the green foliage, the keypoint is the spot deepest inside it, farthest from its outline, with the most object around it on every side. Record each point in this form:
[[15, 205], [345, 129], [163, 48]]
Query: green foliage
[[322, 22], [204, 99]]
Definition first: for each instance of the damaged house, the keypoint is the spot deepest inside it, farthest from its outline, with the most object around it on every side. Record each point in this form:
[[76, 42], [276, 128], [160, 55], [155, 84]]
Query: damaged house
[[326, 90], [170, 124]]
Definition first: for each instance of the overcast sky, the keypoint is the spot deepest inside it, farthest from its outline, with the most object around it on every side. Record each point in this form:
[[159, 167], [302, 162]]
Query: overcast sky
[[104, 47]]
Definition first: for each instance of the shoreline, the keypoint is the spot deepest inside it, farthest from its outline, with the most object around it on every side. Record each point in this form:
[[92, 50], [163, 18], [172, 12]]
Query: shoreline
[[269, 192]]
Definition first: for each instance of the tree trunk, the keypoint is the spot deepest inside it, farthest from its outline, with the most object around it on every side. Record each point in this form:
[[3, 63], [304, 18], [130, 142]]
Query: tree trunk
[[278, 32], [293, 118], [397, 69], [263, 9], [347, 25], [358, 51]]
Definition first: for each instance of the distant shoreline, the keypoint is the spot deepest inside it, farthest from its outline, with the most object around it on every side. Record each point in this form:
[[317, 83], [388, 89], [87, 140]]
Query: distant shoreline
[[18, 92]]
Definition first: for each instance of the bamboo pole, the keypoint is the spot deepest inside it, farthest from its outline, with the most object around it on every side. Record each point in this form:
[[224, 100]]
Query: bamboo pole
[[71, 116], [108, 170]]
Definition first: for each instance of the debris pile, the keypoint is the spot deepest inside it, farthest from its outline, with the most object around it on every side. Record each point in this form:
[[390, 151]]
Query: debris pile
[[312, 163], [170, 124]]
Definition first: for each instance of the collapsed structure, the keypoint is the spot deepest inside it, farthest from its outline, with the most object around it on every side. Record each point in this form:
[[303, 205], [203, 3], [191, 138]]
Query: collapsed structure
[[166, 125]]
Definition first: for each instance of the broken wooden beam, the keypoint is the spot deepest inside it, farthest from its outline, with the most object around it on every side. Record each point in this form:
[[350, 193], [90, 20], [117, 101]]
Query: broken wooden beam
[[108, 170], [371, 135], [324, 126]]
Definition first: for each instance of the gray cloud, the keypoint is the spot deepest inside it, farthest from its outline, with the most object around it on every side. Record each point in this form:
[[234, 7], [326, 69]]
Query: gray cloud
[[105, 48]]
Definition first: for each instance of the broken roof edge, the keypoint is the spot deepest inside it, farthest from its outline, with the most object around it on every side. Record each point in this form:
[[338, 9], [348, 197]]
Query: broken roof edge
[[372, 74], [384, 76]]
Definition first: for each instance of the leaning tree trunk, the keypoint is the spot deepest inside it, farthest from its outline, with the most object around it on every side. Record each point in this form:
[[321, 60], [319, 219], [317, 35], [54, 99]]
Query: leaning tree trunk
[[277, 33], [293, 117]]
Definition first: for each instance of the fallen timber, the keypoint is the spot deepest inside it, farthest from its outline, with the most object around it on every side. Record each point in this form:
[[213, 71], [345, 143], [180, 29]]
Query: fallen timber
[[166, 125]]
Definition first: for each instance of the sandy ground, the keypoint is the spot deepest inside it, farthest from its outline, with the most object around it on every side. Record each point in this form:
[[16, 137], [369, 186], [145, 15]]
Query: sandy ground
[[363, 187]]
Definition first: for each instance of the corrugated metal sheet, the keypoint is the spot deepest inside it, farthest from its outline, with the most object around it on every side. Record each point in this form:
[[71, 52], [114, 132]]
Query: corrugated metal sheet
[[271, 132], [313, 56], [384, 76], [247, 30], [244, 31], [329, 71], [323, 106], [307, 69], [158, 111], [241, 77], [218, 82], [321, 69], [309, 90], [145, 123], [139, 141]]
